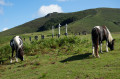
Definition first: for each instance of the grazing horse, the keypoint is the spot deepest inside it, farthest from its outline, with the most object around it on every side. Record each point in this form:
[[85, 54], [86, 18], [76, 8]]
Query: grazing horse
[[17, 44], [99, 34]]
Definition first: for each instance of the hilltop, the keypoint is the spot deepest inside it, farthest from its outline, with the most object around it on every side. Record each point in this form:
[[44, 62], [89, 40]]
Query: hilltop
[[77, 21]]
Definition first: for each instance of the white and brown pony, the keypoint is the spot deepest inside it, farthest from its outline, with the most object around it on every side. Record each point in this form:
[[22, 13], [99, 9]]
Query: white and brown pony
[[17, 45], [99, 34]]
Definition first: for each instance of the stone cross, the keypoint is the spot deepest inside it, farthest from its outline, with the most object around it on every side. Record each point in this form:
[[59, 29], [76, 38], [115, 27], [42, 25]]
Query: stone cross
[[66, 30], [59, 30], [52, 31]]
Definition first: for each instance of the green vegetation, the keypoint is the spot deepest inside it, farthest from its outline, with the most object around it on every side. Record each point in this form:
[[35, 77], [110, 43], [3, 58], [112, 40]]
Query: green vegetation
[[64, 58], [77, 21]]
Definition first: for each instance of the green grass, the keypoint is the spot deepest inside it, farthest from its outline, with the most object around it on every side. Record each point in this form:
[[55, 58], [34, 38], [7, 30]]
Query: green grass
[[64, 58]]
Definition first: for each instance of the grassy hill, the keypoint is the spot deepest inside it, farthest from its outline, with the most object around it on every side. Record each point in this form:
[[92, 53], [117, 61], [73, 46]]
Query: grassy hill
[[64, 58], [77, 21]]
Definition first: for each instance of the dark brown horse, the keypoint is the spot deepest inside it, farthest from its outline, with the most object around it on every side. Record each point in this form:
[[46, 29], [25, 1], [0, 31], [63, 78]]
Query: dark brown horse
[[99, 34], [17, 45]]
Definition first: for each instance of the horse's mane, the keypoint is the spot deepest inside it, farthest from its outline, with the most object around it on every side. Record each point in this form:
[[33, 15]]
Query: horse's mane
[[110, 38]]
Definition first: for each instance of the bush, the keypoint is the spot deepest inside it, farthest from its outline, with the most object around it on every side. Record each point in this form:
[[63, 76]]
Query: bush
[[65, 45], [5, 53]]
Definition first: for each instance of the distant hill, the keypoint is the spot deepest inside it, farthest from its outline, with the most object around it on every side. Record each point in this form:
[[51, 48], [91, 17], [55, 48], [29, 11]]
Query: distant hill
[[77, 21]]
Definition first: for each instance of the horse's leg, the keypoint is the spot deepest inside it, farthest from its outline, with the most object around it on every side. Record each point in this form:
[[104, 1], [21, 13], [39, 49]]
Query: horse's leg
[[101, 37], [12, 55], [96, 49], [101, 47], [17, 55], [107, 46], [93, 50]]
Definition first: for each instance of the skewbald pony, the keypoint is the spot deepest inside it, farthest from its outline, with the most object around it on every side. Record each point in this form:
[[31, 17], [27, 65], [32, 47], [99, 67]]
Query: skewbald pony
[[99, 34]]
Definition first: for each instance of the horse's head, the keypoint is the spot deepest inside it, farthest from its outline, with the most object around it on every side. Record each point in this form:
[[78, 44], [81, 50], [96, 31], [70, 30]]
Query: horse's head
[[20, 54], [111, 44]]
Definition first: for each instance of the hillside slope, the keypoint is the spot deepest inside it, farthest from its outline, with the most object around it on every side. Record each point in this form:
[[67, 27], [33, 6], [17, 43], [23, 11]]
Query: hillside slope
[[64, 58], [78, 21], [107, 17]]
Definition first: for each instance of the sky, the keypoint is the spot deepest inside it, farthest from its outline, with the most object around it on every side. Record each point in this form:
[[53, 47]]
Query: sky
[[17, 12]]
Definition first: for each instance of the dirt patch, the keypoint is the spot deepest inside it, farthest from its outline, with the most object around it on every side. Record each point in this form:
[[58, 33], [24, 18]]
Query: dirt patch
[[33, 68], [107, 66], [52, 62], [24, 65], [77, 77], [100, 78]]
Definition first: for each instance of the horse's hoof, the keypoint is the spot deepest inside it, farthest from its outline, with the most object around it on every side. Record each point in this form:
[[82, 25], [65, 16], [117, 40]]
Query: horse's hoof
[[98, 56], [16, 59], [93, 55], [101, 52], [11, 61]]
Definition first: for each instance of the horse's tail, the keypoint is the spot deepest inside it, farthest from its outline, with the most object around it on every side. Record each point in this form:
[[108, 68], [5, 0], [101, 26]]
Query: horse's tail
[[95, 35]]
